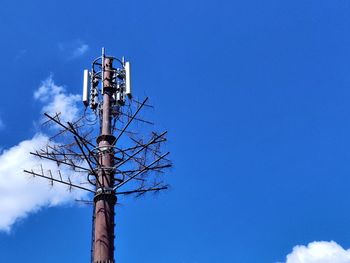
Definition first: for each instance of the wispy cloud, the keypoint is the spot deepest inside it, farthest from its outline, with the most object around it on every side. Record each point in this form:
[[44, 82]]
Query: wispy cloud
[[319, 252], [19, 195], [2, 124], [74, 49], [81, 50], [21, 53]]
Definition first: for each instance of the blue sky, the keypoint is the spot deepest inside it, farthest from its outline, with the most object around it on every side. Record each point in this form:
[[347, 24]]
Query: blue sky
[[255, 96]]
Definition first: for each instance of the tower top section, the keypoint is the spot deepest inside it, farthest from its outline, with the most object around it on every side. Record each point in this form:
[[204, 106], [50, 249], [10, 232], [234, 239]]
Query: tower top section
[[94, 84]]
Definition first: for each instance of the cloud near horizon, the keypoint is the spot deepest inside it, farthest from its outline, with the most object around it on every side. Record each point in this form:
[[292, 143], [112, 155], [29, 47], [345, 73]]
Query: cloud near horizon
[[319, 252], [20, 194]]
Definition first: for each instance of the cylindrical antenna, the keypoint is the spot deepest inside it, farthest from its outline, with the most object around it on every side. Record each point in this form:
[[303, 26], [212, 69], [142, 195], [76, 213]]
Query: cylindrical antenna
[[86, 88], [127, 79]]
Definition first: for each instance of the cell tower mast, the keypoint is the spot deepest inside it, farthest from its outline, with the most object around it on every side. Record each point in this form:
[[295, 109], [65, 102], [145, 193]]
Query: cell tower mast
[[108, 166], [105, 198]]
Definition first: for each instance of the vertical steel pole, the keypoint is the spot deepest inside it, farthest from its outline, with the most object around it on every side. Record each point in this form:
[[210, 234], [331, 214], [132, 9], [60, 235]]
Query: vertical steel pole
[[105, 198]]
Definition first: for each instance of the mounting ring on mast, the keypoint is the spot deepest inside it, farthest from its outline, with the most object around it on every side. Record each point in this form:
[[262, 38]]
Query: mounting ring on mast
[[100, 150]]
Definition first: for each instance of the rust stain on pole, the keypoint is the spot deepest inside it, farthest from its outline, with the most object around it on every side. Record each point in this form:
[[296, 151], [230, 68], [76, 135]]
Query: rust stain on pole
[[105, 198]]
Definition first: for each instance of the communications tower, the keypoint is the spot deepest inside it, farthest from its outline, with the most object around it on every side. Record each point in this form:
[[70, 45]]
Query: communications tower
[[109, 151]]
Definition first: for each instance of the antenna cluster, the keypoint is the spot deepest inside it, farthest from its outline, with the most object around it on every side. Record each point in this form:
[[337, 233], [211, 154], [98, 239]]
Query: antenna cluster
[[120, 83]]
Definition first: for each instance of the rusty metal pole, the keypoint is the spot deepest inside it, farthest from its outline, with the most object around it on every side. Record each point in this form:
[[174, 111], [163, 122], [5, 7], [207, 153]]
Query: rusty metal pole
[[105, 198]]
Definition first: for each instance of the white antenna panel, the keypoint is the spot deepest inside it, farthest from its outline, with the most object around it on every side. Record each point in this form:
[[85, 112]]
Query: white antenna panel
[[86, 88], [127, 79]]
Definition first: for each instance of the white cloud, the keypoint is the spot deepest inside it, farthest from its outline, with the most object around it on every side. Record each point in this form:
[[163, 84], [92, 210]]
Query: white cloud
[[20, 195], [319, 252], [56, 100]]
